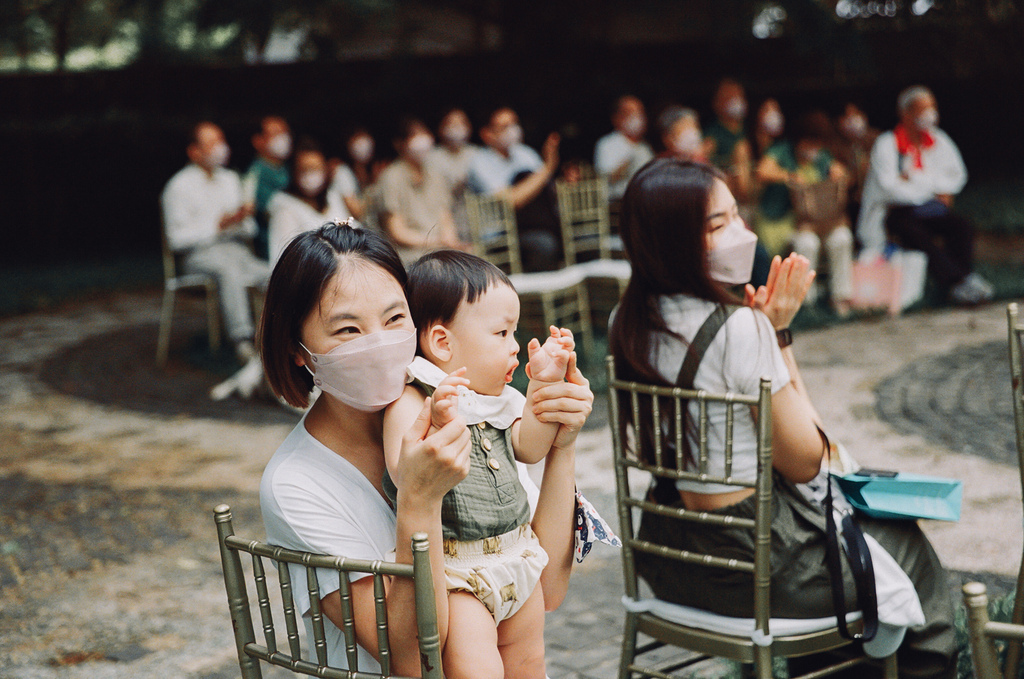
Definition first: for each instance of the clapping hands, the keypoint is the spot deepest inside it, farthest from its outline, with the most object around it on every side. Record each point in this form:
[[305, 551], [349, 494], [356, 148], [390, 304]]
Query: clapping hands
[[781, 296]]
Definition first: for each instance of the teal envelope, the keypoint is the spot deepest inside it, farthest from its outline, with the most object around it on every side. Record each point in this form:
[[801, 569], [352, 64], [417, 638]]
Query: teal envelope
[[904, 496]]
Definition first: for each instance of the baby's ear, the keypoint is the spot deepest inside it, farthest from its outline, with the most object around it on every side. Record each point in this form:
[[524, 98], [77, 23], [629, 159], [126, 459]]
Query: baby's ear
[[436, 343]]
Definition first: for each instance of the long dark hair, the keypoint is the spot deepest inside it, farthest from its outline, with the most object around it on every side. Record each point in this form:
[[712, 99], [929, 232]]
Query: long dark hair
[[663, 224], [297, 284]]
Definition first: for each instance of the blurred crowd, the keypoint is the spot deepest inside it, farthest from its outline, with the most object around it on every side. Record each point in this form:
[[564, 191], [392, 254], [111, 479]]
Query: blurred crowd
[[830, 187]]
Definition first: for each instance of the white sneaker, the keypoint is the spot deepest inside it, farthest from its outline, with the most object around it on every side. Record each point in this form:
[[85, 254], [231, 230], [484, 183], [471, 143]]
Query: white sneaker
[[971, 290], [244, 382], [983, 287]]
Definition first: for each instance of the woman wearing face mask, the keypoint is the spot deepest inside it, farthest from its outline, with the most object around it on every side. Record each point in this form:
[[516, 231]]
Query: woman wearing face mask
[[450, 158], [306, 202], [774, 224], [336, 317], [416, 208], [684, 238], [681, 134]]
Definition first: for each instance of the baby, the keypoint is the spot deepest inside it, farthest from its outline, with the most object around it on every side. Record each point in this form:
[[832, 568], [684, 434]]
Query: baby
[[466, 312]]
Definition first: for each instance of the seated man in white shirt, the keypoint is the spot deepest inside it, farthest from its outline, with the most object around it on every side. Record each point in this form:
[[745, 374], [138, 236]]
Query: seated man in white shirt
[[509, 168], [914, 173], [620, 153], [208, 223]]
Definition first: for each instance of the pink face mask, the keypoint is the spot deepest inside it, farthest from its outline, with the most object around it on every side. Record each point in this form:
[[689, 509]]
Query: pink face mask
[[367, 373], [732, 258]]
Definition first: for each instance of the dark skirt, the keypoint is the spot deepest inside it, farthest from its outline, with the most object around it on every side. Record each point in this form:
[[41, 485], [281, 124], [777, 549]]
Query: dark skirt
[[800, 583]]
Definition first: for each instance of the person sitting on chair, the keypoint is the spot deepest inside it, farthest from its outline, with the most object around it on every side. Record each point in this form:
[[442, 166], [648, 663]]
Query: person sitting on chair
[[210, 227], [509, 168], [914, 173], [687, 244]]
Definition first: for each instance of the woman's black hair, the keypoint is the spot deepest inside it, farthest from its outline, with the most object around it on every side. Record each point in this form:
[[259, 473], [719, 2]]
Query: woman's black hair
[[440, 281], [663, 225], [297, 284]]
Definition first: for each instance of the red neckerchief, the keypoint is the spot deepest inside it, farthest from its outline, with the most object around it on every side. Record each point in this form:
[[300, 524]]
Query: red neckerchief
[[906, 148]]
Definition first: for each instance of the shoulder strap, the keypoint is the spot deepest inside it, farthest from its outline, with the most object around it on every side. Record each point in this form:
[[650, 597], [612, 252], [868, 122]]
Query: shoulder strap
[[701, 341]]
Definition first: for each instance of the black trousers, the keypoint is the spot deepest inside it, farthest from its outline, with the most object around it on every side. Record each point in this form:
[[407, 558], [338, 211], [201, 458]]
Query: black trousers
[[540, 229], [947, 239]]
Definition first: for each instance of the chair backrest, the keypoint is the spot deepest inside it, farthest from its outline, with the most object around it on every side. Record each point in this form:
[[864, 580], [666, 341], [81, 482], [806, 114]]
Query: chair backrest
[[1016, 339], [1015, 329], [822, 204], [170, 264], [251, 653], [493, 231], [662, 413], [583, 213]]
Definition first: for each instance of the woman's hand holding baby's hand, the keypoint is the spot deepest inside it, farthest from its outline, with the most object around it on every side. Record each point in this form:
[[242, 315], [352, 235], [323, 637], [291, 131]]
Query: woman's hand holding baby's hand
[[548, 362], [432, 461], [780, 298], [444, 402], [568, 403]]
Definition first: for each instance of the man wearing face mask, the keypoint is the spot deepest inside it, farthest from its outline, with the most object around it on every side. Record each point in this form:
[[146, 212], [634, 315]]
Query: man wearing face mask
[[509, 168], [207, 222], [914, 173], [416, 212], [268, 172], [728, 147], [451, 158], [620, 153]]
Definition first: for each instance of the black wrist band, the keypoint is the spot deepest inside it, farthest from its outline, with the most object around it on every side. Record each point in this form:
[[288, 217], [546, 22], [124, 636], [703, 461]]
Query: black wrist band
[[785, 337]]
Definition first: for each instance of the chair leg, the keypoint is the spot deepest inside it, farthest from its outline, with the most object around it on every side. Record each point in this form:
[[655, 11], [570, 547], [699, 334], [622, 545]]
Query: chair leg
[[891, 671], [583, 303], [213, 317], [763, 662], [163, 338], [628, 645]]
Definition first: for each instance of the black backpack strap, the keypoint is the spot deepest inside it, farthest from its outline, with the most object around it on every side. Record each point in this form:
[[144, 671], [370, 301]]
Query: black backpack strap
[[665, 491], [860, 564], [701, 341]]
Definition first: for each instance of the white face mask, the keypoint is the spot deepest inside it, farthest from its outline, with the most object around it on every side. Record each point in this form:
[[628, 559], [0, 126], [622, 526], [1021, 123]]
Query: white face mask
[[311, 182], [772, 122], [280, 146], [367, 373], [928, 119], [855, 126], [218, 156], [731, 260], [687, 142], [455, 134], [634, 125], [736, 108], [510, 136], [361, 149], [419, 146]]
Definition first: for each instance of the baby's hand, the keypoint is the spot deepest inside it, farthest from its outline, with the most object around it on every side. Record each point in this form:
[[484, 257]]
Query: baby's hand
[[444, 403], [548, 362]]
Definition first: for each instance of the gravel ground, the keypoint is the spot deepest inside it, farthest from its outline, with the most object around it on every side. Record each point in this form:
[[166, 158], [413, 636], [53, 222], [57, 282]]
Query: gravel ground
[[109, 470]]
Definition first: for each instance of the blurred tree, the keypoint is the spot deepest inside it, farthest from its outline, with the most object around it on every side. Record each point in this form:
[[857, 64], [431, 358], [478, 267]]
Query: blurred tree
[[223, 30]]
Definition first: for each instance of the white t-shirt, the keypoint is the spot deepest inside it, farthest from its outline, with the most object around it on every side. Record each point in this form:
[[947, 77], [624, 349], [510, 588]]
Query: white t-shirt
[[744, 350], [194, 202], [491, 172], [344, 182], [290, 216], [314, 500], [612, 151], [893, 181]]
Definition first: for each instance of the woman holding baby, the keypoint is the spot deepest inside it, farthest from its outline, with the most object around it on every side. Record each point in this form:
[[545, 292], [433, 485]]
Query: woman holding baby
[[337, 317]]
